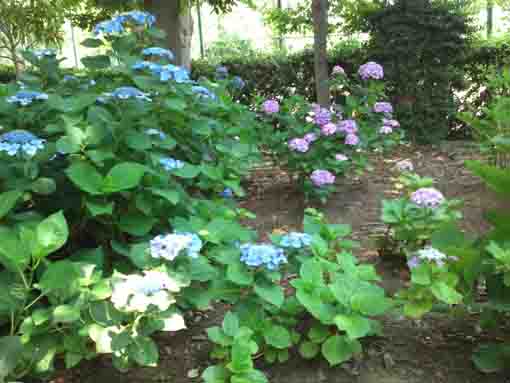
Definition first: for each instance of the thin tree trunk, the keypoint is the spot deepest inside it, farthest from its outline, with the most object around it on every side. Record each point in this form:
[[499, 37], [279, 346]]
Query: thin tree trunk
[[177, 22], [490, 17], [320, 28]]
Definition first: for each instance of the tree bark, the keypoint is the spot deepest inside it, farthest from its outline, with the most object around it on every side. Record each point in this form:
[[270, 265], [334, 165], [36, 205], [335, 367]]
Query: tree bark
[[177, 22], [490, 17], [320, 29]]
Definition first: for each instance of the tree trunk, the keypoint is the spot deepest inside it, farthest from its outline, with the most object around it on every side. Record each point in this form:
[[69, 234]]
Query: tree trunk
[[490, 17], [177, 22], [320, 29]]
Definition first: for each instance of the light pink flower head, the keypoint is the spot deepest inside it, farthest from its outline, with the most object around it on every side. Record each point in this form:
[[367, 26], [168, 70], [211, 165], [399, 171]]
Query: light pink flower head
[[351, 139], [328, 129], [341, 157], [322, 177], [271, 107], [386, 130], [348, 126], [310, 137], [299, 145], [337, 70]]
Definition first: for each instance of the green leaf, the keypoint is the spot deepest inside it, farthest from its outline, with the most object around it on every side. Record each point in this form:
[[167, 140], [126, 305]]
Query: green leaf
[[355, 326], [96, 62], [8, 201], [139, 254], [144, 351], [14, 256], [66, 314], [241, 357], [171, 196], [492, 358], [421, 275], [318, 333], [44, 186], [308, 350], [216, 374], [445, 293], [85, 177], [123, 176], [230, 324], [417, 309], [370, 301], [254, 376], [61, 279], [271, 293], [137, 224], [187, 171], [278, 337], [239, 274], [217, 336], [97, 207], [92, 43], [52, 234], [11, 351], [338, 349]]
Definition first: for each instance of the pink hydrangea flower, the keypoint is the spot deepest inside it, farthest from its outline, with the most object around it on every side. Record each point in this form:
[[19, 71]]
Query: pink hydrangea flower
[[383, 107], [427, 197], [386, 130], [322, 177], [348, 126], [299, 145], [310, 137], [337, 70], [392, 123], [329, 129], [322, 117], [341, 157], [351, 139], [271, 107], [371, 70]]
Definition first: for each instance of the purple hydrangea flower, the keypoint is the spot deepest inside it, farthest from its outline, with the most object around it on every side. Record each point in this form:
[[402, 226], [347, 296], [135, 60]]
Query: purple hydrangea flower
[[427, 197], [271, 107], [392, 123], [348, 126], [310, 137], [386, 129], [383, 107], [322, 117], [413, 262], [430, 254], [256, 255], [351, 140], [341, 157], [338, 70], [371, 70], [328, 129], [322, 177], [299, 145]]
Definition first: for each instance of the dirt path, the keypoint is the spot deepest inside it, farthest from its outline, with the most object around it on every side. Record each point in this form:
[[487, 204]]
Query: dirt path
[[436, 349]]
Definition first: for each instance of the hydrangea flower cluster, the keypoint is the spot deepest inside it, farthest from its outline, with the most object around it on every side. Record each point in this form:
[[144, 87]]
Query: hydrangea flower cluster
[[238, 83], [310, 137], [371, 70], [431, 255], [203, 92], [385, 129], [352, 140], [169, 246], [296, 240], [427, 197], [41, 53], [328, 129], [118, 23], [20, 141], [322, 117], [159, 52], [341, 157], [165, 72], [383, 107], [322, 177], [271, 107], [268, 256], [133, 293], [338, 70], [227, 193], [156, 132], [348, 126], [405, 166], [221, 72], [170, 163], [26, 97], [299, 145], [392, 123], [127, 92]]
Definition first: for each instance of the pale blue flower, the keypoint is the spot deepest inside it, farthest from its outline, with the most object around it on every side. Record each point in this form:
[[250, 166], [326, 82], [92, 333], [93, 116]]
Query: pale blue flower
[[238, 83], [203, 92], [41, 53], [268, 256], [221, 72], [109, 27], [170, 163], [26, 97], [20, 141], [138, 17], [160, 52], [127, 92], [170, 246], [156, 132], [227, 193], [296, 240]]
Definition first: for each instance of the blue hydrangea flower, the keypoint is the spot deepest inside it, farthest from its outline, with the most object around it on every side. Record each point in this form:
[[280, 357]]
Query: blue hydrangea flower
[[221, 72], [227, 193], [170, 163], [238, 83], [296, 240], [109, 27], [160, 52], [257, 255], [41, 53], [203, 92], [118, 23], [156, 132], [20, 141], [180, 75], [138, 17], [69, 78], [26, 97], [169, 246], [127, 92]]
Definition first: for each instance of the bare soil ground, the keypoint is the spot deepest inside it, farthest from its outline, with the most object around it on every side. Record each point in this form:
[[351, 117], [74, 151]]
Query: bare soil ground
[[435, 349]]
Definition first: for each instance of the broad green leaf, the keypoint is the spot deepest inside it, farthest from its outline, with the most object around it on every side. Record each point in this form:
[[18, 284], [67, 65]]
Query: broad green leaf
[[254, 376], [188, 171], [96, 62], [123, 176], [8, 201], [355, 326], [239, 274], [61, 279], [136, 224], [278, 337], [13, 254], [98, 207], [66, 313], [171, 196], [140, 255], [216, 374], [217, 336], [144, 351], [309, 350], [492, 358], [44, 186], [52, 234], [421, 275], [11, 350], [241, 357], [92, 43], [445, 293], [338, 349], [230, 324], [269, 292], [417, 309], [86, 177]]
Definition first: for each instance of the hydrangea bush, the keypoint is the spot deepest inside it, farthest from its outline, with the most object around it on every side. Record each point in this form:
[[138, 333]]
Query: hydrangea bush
[[113, 208], [317, 145]]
